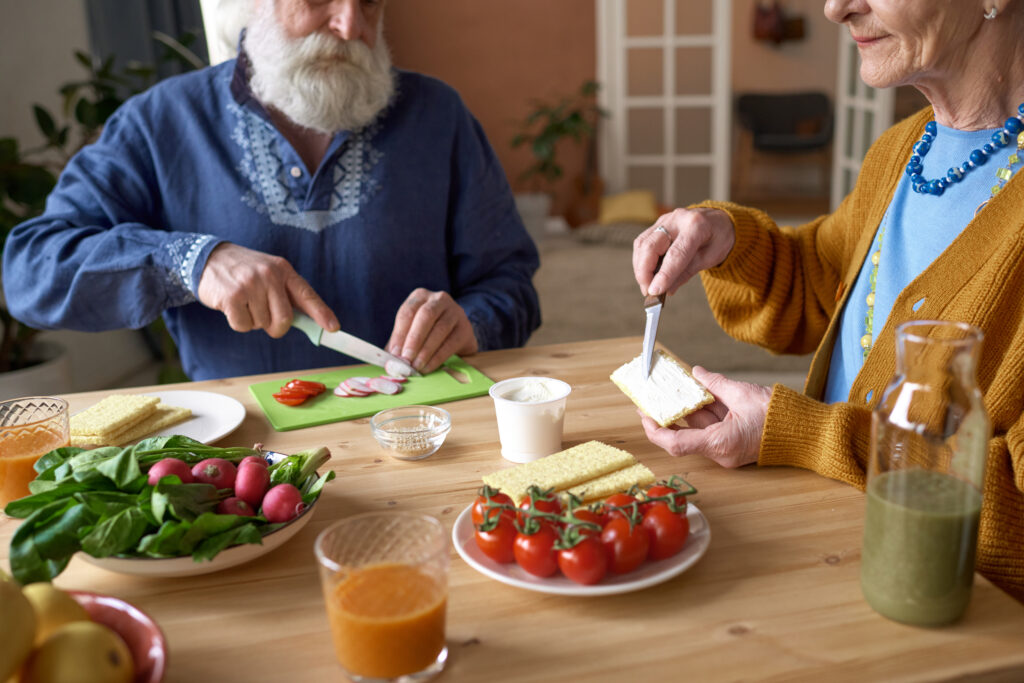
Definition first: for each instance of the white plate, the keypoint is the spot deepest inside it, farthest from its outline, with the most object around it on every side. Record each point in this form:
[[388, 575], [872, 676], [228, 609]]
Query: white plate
[[214, 416], [186, 566], [647, 574]]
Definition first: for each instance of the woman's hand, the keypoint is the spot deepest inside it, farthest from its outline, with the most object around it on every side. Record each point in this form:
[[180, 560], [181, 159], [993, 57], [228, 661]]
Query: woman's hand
[[691, 240], [728, 431], [257, 291], [430, 327]]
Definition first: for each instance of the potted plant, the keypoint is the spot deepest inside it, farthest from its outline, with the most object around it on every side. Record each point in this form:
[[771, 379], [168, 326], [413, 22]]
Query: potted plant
[[544, 129], [28, 176]]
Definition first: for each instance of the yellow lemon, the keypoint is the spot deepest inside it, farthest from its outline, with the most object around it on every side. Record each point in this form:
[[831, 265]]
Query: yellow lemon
[[80, 652], [17, 628], [53, 607]]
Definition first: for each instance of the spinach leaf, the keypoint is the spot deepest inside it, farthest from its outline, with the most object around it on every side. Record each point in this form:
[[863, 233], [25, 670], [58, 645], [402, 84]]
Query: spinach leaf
[[23, 507], [44, 543], [183, 501], [206, 526], [116, 534], [311, 490], [165, 542], [208, 549]]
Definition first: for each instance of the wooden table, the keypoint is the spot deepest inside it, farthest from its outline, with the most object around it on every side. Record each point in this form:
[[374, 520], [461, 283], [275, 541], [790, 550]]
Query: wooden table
[[777, 595]]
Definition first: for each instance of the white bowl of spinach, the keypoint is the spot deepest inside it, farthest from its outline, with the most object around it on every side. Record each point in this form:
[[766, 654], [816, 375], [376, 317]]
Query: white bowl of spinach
[[98, 502]]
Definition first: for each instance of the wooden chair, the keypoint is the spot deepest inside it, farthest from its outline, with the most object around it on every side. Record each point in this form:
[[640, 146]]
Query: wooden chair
[[782, 128]]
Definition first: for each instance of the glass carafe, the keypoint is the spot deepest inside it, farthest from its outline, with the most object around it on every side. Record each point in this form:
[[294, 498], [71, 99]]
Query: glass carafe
[[929, 438]]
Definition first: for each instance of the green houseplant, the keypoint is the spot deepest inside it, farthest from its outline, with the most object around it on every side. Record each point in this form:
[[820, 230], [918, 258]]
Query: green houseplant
[[543, 130], [28, 175]]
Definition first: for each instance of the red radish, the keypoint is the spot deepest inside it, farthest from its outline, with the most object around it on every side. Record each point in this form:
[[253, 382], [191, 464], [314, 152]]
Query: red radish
[[341, 391], [216, 471], [353, 390], [282, 503], [235, 506], [256, 460], [251, 483], [396, 378], [162, 468], [358, 384], [385, 386]]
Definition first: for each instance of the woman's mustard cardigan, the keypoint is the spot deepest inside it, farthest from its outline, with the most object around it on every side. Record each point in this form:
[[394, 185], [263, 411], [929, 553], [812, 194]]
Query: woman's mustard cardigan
[[783, 288]]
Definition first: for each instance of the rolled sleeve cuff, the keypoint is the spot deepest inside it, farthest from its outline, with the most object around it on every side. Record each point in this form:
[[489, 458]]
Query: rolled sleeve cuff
[[186, 256]]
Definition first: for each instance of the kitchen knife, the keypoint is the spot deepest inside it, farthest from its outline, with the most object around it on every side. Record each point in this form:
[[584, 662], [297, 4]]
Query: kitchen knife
[[652, 308], [344, 342]]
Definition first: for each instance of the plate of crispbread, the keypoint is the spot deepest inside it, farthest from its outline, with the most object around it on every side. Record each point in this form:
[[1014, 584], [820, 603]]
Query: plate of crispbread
[[647, 574], [124, 419]]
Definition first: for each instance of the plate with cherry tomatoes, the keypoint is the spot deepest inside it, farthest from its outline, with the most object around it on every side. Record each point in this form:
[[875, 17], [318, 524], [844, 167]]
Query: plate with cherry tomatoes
[[645, 574]]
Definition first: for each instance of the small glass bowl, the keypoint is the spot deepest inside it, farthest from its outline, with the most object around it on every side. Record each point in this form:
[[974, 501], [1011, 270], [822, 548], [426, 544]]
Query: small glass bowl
[[411, 432]]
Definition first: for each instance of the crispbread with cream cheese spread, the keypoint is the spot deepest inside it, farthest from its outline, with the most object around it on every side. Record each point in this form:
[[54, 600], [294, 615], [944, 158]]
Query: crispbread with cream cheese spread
[[669, 394]]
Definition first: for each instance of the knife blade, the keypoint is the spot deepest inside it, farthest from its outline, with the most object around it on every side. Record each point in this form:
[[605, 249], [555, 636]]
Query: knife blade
[[652, 309], [348, 344]]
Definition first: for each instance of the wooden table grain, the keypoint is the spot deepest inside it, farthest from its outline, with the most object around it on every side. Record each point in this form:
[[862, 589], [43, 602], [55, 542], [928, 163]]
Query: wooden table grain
[[776, 597]]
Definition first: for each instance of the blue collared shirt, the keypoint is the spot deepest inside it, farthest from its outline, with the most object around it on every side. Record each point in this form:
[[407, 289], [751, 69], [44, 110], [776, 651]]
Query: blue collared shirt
[[415, 199]]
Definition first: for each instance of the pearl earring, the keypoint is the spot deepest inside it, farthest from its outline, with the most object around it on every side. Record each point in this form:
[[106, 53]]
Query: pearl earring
[[991, 13]]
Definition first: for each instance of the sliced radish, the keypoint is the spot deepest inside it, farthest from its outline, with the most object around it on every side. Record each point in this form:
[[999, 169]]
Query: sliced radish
[[341, 391], [356, 390], [385, 386], [395, 378], [398, 368]]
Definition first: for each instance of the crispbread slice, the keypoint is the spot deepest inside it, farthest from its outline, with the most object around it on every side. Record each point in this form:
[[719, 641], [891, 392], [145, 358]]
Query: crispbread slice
[[613, 482], [113, 414], [669, 394], [560, 470], [162, 417]]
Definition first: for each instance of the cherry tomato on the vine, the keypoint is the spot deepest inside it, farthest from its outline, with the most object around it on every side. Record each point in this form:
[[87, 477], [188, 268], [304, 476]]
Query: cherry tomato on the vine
[[585, 563], [480, 505], [585, 515], [667, 531], [618, 500], [549, 504], [626, 547], [497, 543], [535, 552], [658, 491]]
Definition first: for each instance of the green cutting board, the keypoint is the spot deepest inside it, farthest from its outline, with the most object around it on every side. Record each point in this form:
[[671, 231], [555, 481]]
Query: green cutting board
[[437, 387]]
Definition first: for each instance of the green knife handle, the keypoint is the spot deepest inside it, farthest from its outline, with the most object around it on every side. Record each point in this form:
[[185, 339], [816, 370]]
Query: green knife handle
[[308, 326]]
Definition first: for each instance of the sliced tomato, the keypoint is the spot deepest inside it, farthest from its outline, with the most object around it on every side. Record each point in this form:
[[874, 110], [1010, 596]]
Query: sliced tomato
[[291, 393], [307, 387], [290, 400]]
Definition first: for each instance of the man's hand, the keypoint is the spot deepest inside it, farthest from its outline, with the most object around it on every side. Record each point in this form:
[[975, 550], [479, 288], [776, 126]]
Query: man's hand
[[430, 327], [728, 431], [257, 291], [691, 240]]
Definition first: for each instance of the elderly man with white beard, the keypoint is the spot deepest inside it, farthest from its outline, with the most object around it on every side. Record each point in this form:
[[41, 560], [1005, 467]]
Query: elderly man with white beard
[[307, 174]]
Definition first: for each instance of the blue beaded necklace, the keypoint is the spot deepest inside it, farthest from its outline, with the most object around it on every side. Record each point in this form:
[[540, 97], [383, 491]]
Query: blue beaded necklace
[[1013, 126]]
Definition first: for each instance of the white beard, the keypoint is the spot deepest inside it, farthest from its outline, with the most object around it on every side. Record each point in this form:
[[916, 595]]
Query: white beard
[[319, 82]]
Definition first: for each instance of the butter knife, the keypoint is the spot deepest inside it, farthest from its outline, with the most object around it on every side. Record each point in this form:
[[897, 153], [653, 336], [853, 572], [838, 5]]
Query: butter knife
[[652, 309], [350, 345]]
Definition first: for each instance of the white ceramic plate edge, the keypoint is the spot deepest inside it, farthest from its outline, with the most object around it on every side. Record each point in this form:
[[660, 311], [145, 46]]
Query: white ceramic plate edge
[[214, 415], [648, 574]]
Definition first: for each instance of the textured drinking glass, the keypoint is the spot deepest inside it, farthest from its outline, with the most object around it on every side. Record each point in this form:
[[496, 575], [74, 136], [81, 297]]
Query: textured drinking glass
[[385, 582], [530, 413], [929, 438], [29, 428]]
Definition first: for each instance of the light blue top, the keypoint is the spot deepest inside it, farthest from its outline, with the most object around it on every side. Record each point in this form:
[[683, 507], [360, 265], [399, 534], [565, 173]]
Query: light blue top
[[918, 228]]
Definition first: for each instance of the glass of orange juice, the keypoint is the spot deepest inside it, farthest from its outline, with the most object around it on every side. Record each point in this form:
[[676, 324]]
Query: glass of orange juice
[[29, 428], [385, 581]]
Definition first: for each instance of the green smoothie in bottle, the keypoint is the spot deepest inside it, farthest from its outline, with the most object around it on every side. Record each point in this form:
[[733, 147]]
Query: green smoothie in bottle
[[920, 535]]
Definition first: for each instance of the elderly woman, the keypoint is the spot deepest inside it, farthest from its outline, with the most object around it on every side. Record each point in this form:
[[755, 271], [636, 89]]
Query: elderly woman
[[943, 244]]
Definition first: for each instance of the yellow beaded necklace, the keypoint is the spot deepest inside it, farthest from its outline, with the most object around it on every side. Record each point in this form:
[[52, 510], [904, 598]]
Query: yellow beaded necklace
[[1003, 175]]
